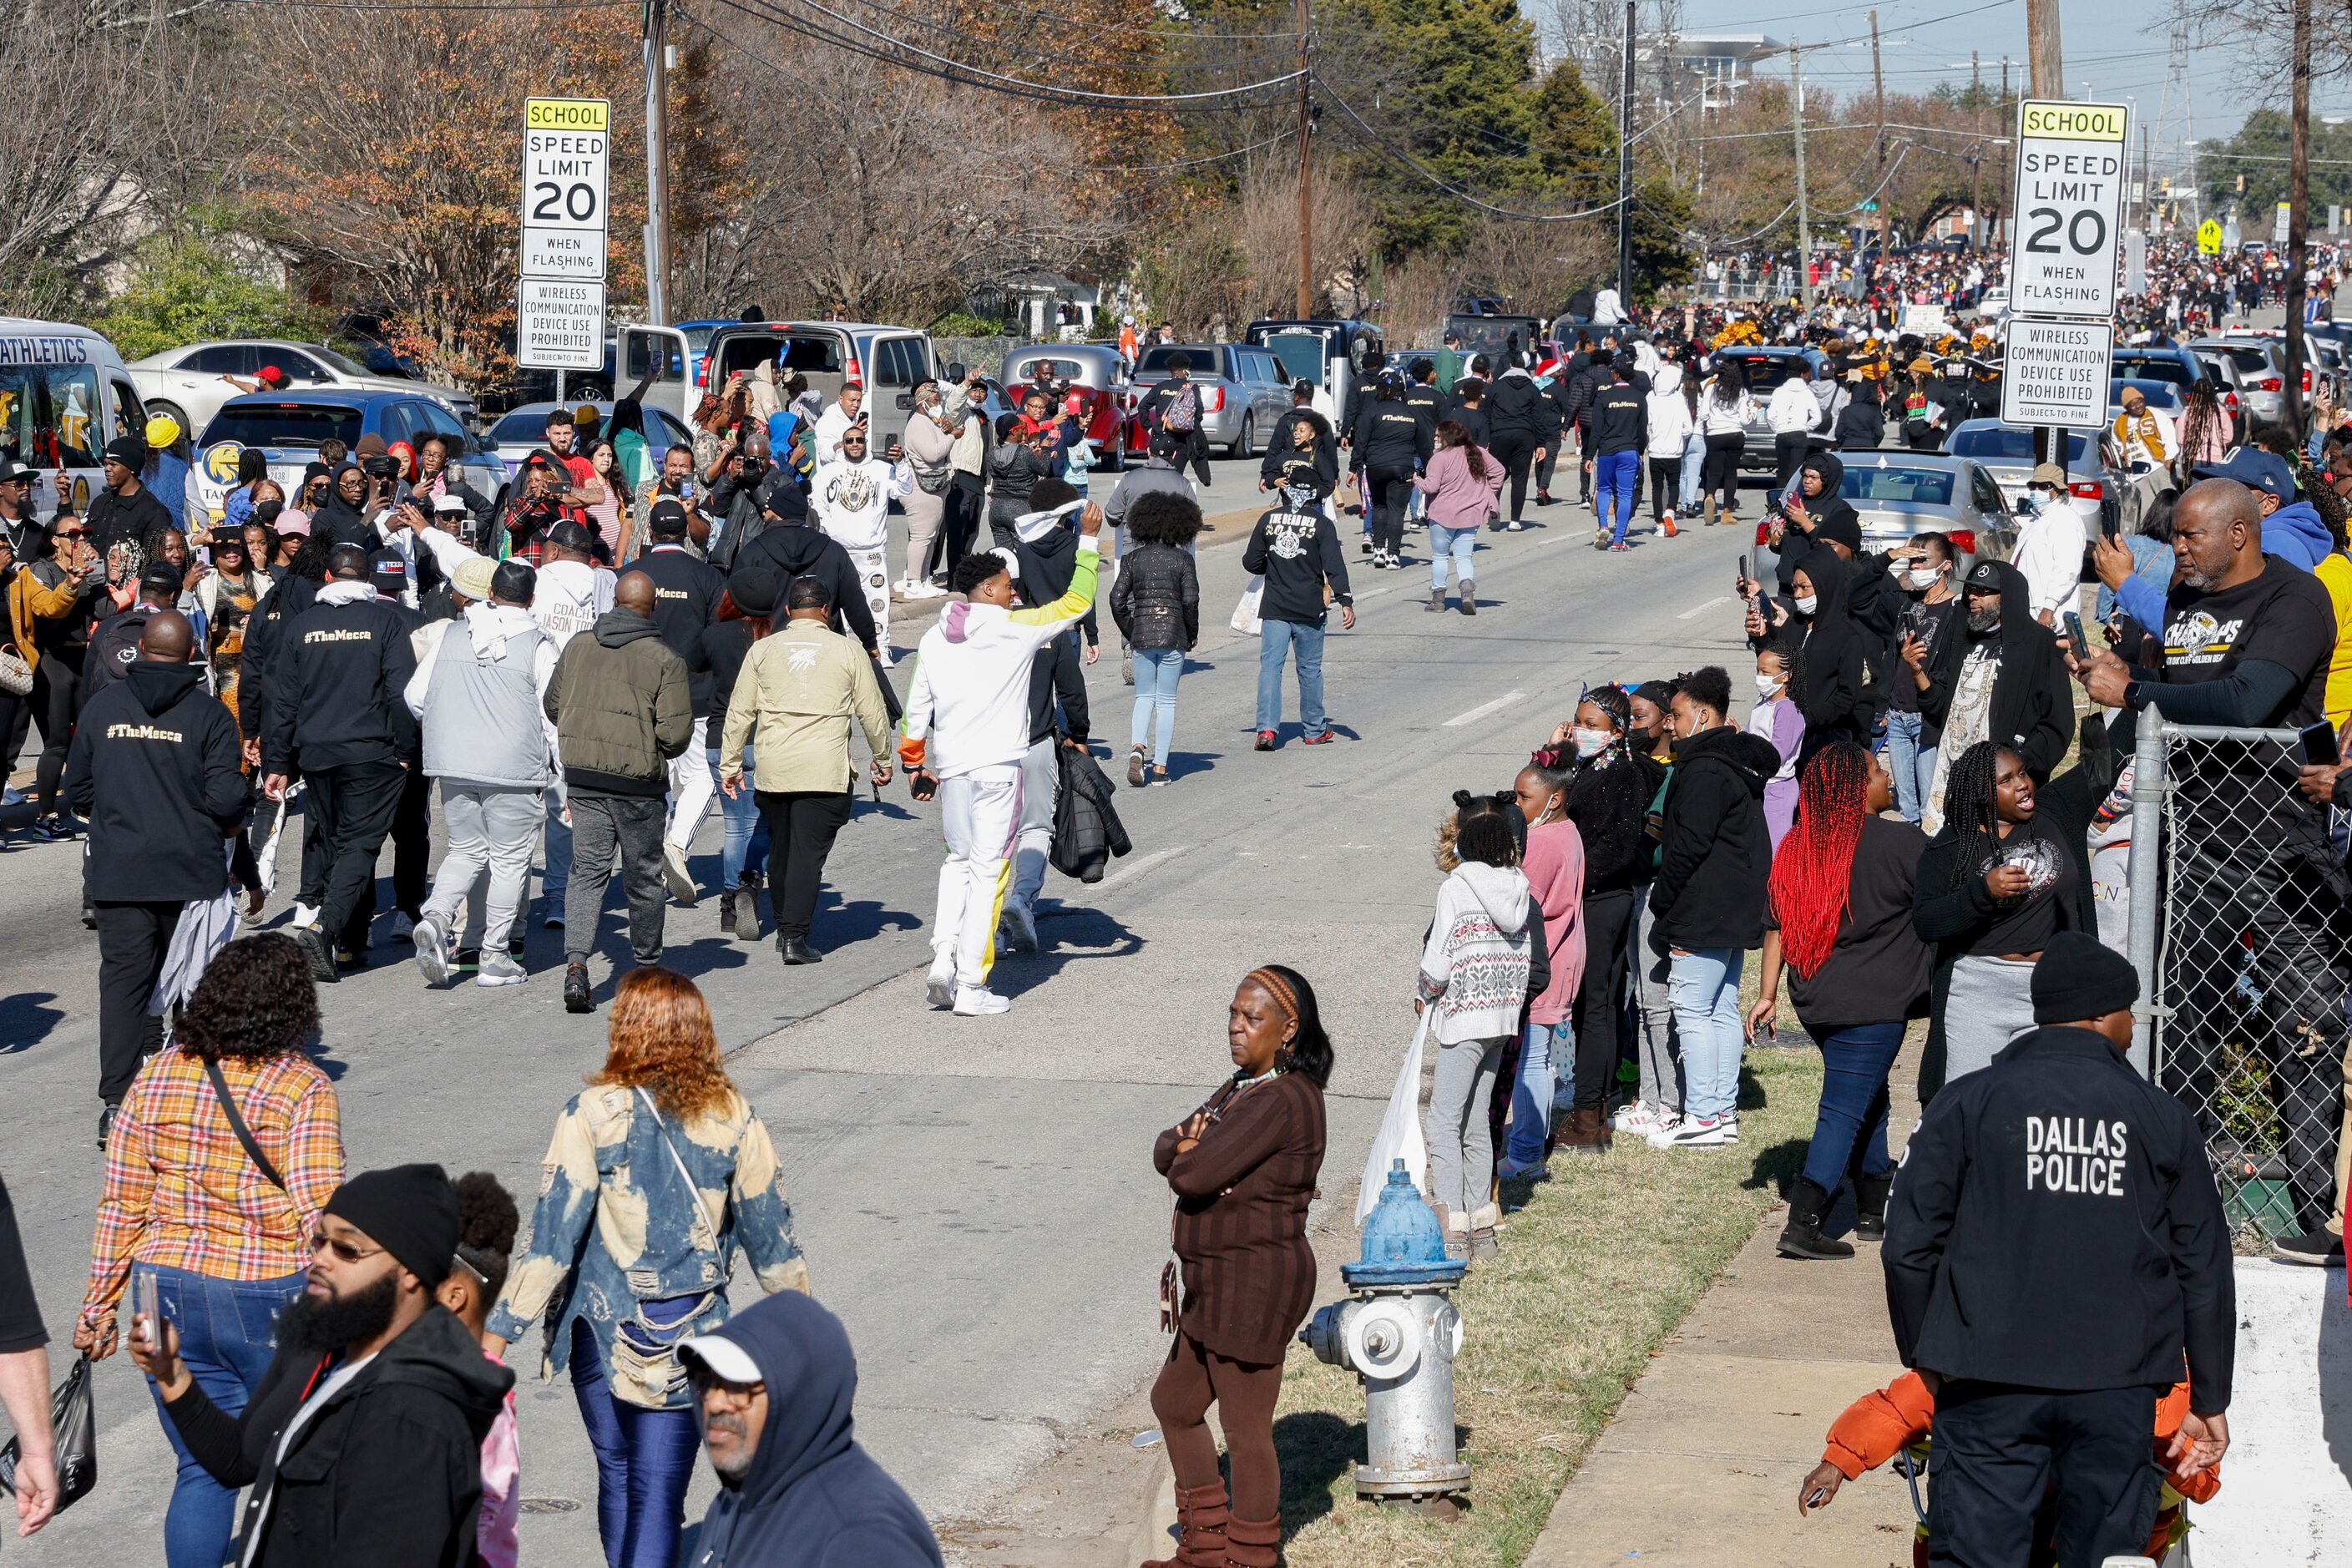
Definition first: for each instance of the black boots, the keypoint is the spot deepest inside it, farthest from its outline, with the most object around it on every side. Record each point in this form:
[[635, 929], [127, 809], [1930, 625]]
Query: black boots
[[796, 950], [1803, 1236], [577, 997], [1870, 1206]]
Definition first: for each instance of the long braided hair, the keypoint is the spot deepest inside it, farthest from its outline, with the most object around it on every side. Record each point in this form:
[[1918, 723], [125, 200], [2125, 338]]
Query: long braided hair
[[1813, 876], [1971, 817]]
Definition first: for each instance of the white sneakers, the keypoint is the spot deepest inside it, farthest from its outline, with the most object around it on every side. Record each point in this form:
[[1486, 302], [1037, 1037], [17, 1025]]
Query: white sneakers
[[305, 914], [979, 1001], [431, 950], [498, 967], [1697, 1132], [1018, 928], [939, 985], [914, 590], [1636, 1116], [675, 873]]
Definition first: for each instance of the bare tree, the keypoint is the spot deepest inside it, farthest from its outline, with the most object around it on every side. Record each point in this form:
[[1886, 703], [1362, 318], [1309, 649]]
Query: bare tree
[[1267, 213]]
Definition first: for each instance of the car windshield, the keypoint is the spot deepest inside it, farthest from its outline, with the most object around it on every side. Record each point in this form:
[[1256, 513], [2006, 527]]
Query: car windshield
[[284, 425], [1764, 372], [1301, 354], [1919, 487], [335, 362], [2246, 359], [2014, 444], [1067, 370], [2160, 395], [2151, 367], [1491, 334]]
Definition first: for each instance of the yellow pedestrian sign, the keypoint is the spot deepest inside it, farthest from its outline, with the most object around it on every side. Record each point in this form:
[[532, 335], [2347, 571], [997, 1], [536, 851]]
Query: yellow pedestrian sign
[[2209, 237]]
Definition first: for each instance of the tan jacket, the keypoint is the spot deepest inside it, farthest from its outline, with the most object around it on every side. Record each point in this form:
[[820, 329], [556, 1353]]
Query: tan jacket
[[802, 684], [30, 600]]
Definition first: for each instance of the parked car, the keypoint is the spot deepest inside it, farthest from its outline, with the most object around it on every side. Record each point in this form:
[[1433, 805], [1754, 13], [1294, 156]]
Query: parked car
[[522, 431], [2100, 487], [1897, 495], [1766, 367], [63, 395], [1095, 373], [190, 384], [888, 360], [2163, 397], [2177, 367], [2233, 373], [1243, 390], [289, 427], [2272, 377]]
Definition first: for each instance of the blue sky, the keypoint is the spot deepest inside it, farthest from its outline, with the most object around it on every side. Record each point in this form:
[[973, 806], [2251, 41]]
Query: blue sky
[[2119, 46]]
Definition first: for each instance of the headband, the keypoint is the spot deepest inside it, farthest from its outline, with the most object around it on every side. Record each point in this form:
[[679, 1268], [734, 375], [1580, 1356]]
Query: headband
[[1278, 988]]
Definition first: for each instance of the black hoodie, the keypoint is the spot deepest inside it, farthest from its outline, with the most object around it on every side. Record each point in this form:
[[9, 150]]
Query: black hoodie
[[812, 1498], [2032, 705], [1716, 855], [339, 685], [1797, 546], [387, 1473], [155, 769], [798, 550], [1836, 697], [339, 519]]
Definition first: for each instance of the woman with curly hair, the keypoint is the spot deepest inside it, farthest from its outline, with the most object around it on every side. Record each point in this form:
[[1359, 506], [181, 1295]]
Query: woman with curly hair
[[627, 1256], [1243, 1168], [1837, 919], [226, 1148]]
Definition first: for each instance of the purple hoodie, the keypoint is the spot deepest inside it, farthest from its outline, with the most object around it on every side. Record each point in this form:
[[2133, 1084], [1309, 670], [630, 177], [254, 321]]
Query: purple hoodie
[[1457, 498]]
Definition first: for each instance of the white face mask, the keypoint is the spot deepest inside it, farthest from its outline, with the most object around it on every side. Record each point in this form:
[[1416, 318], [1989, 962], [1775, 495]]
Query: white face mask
[[1925, 578], [1808, 603], [1766, 685], [1589, 742]]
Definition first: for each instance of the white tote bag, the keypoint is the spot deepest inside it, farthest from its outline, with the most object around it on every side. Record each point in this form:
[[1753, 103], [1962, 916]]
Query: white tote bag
[[1246, 620], [1400, 1134]]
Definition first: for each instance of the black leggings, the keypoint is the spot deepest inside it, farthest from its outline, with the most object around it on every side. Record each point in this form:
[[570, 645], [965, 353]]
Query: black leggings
[[1391, 491], [56, 702], [1516, 453], [1244, 1396], [1600, 1001], [1665, 485], [1721, 472]]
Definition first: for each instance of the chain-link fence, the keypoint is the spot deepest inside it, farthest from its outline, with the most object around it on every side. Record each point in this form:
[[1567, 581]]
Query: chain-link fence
[[2244, 966]]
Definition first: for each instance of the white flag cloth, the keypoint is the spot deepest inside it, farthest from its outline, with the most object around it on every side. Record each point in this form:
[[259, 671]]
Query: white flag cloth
[[1400, 1134]]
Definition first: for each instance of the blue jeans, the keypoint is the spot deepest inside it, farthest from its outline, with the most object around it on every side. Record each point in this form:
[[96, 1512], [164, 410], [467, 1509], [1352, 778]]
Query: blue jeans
[[1275, 641], [1693, 465], [1157, 671], [225, 1336], [745, 847], [1535, 1097], [644, 1460], [1913, 766], [1703, 984], [1616, 475], [1454, 541], [1849, 1127]]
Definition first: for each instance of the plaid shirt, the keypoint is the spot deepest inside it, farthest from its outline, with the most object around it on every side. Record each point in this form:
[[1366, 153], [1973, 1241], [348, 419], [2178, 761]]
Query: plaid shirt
[[182, 1191]]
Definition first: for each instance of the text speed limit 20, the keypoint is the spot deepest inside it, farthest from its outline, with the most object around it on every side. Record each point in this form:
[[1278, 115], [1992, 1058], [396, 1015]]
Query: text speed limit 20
[[2069, 202], [567, 155]]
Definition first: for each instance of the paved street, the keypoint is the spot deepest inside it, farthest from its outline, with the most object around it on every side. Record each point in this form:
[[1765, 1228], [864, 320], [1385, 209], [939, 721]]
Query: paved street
[[975, 1197]]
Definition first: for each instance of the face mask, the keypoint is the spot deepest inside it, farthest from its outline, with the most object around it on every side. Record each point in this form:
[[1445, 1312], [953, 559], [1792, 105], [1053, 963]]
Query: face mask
[[1926, 579], [1808, 603], [1589, 742], [1766, 685], [1983, 620]]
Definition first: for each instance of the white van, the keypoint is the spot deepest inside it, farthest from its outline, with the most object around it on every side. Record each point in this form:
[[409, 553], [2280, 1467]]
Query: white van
[[63, 395], [887, 360]]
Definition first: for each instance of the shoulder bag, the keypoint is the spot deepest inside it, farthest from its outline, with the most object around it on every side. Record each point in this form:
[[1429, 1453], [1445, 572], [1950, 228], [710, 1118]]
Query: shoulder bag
[[237, 1125]]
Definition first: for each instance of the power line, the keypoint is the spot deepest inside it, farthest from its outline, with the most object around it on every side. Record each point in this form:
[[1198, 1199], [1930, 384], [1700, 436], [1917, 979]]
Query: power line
[[1402, 156]]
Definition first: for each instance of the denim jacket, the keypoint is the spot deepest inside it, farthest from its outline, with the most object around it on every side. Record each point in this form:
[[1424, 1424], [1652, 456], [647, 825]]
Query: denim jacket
[[617, 1227]]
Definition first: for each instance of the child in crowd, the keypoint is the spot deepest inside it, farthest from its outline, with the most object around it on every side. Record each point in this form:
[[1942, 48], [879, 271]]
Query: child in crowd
[[1777, 719], [487, 1221]]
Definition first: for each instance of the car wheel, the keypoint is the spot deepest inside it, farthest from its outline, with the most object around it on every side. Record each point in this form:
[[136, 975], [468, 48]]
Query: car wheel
[[1245, 442], [157, 408]]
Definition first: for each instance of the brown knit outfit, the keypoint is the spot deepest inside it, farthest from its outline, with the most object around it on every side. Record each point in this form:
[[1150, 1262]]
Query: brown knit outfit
[[1241, 1194]]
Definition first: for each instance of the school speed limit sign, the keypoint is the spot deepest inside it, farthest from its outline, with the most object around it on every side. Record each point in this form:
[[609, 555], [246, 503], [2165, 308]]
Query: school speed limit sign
[[567, 154], [2069, 207]]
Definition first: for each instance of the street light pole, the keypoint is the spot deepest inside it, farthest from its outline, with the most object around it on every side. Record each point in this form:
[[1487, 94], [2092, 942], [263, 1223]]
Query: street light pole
[[656, 164], [1305, 195], [2298, 191], [1625, 170], [1804, 215]]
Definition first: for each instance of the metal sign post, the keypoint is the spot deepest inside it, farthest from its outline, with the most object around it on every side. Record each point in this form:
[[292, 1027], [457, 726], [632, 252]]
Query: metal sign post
[[2061, 278], [567, 147]]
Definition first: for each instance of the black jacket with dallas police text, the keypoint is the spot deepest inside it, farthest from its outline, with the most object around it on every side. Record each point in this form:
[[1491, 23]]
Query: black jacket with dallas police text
[[154, 769], [338, 680], [687, 592], [2056, 1226]]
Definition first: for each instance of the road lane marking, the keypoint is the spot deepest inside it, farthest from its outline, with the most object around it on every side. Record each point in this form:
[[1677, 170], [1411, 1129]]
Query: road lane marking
[[1134, 868], [1698, 610], [1496, 706]]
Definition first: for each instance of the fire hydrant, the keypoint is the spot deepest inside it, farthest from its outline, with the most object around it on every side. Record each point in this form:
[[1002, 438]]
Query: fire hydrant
[[1400, 1333]]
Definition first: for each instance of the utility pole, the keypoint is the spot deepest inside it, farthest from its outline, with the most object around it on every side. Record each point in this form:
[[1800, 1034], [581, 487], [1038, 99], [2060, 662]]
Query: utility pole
[[1305, 191], [1626, 172], [657, 163], [1878, 138], [2298, 188], [1975, 158], [1804, 213], [2042, 49]]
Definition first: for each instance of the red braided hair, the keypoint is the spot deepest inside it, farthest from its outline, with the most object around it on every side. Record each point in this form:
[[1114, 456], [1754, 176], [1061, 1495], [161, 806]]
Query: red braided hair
[[1813, 876]]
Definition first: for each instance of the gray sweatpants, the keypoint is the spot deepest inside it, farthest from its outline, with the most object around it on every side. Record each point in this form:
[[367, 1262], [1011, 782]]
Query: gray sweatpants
[[1461, 1141], [1041, 782], [1655, 1053], [490, 828], [633, 824]]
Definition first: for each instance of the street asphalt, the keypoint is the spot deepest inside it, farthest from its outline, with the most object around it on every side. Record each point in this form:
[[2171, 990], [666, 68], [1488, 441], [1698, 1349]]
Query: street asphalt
[[975, 1197]]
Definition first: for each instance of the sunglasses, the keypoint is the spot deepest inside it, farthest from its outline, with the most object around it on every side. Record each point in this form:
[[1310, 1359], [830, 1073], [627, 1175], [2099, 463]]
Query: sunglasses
[[322, 1242]]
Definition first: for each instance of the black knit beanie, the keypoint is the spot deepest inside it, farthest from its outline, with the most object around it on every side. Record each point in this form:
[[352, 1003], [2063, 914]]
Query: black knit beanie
[[2079, 976], [410, 1211]]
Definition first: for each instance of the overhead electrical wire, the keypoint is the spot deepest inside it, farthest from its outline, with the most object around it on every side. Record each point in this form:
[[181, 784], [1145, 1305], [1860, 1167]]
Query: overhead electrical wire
[[1367, 133]]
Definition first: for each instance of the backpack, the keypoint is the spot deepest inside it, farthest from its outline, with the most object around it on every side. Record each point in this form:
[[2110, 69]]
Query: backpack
[[1183, 410]]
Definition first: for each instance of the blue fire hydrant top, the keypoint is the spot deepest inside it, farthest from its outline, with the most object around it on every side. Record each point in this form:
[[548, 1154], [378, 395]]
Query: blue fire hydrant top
[[1403, 1243]]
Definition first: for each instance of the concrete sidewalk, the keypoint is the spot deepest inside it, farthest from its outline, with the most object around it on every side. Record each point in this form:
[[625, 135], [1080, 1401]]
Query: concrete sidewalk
[[1701, 1465]]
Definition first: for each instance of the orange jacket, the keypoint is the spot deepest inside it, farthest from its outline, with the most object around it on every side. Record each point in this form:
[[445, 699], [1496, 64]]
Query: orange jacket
[[1880, 1425], [28, 602]]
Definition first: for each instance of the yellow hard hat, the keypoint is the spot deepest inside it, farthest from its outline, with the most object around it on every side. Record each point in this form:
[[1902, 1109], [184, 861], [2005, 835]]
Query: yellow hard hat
[[162, 430]]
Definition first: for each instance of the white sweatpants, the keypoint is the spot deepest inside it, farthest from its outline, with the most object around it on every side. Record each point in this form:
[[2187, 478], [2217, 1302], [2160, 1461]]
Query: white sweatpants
[[1041, 783], [872, 567], [978, 814], [690, 789]]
